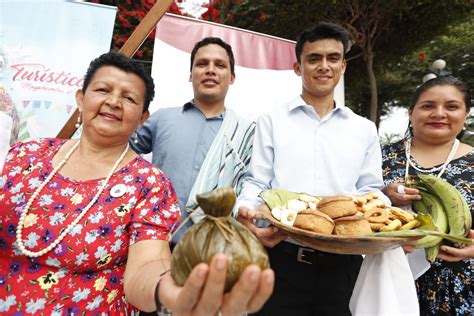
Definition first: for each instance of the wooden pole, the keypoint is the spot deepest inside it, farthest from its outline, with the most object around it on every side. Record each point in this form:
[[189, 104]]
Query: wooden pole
[[132, 44]]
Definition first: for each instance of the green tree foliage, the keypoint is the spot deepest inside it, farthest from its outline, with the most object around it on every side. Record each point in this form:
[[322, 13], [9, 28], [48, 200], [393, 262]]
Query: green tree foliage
[[400, 76]]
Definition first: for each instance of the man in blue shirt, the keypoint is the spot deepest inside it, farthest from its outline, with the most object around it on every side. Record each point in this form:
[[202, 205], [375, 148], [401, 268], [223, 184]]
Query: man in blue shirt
[[201, 145], [311, 144]]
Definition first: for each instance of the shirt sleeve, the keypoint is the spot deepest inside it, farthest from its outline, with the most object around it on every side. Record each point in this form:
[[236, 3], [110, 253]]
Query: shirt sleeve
[[370, 176], [21, 155], [260, 172], [143, 144], [157, 214]]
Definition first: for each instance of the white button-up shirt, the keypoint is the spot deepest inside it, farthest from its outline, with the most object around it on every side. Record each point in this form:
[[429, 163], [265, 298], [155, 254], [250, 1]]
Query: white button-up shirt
[[296, 150]]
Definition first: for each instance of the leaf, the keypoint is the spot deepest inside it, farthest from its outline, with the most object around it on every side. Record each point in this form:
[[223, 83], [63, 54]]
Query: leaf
[[426, 222], [402, 233], [455, 239], [421, 233], [278, 197]]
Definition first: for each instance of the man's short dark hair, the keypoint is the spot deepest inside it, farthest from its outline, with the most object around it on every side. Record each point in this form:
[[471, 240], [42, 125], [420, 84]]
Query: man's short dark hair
[[217, 41], [121, 61], [319, 31]]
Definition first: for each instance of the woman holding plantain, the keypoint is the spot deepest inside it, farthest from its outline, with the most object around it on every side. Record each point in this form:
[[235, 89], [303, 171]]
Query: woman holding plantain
[[437, 116]]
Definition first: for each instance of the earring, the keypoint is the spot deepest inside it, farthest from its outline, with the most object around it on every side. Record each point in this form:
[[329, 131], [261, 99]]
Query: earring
[[78, 123], [135, 137], [409, 130]]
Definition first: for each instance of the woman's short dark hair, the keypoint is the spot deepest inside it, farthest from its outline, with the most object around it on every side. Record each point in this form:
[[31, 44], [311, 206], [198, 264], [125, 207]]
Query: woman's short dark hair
[[319, 31], [121, 61]]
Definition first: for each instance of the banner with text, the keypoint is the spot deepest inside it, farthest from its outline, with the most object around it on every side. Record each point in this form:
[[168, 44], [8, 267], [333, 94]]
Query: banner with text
[[45, 48], [264, 66]]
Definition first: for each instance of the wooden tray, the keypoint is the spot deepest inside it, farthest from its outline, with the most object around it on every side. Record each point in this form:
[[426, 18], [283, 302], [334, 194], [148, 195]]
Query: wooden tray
[[349, 245]]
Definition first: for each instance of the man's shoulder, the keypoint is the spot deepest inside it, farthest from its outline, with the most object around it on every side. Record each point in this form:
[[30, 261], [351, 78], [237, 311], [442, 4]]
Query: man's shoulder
[[277, 113], [165, 115], [281, 108], [358, 119], [162, 112]]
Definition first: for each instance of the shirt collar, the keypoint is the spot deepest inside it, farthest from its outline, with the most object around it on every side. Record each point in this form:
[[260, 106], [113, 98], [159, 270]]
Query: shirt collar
[[298, 102], [192, 105], [189, 105]]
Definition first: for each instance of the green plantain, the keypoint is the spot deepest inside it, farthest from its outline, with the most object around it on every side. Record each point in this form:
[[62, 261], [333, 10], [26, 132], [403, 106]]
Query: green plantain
[[432, 205], [432, 252], [454, 204]]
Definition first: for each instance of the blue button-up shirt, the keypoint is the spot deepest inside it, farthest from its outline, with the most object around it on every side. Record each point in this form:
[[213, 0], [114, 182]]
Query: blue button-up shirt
[[295, 149], [179, 139]]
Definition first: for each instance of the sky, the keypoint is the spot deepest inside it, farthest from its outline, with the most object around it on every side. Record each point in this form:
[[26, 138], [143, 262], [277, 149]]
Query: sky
[[193, 7]]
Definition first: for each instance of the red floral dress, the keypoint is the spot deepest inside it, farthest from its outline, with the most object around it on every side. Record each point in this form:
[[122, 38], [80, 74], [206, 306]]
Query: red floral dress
[[84, 273]]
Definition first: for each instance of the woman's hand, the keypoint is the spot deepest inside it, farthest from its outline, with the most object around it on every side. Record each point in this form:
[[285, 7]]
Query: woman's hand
[[401, 195], [268, 236], [409, 246], [452, 254], [203, 292]]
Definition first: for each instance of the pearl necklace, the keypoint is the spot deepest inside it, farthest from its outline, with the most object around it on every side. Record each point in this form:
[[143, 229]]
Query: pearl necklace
[[442, 168], [19, 229]]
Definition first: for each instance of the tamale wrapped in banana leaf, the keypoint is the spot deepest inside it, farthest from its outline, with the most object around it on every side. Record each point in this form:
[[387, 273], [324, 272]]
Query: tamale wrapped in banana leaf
[[218, 232]]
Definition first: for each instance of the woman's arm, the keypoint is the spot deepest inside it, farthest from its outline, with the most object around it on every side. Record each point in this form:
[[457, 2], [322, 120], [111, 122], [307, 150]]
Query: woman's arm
[[147, 260]]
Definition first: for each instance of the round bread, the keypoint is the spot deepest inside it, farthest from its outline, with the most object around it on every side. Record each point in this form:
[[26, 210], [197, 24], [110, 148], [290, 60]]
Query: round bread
[[352, 226], [337, 206], [314, 221]]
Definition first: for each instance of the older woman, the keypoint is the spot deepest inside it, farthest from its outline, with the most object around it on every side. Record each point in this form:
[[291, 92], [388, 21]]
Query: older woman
[[437, 116], [73, 211]]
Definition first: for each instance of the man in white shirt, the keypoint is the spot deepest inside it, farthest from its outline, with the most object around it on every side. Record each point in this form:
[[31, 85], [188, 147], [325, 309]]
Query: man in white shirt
[[314, 145]]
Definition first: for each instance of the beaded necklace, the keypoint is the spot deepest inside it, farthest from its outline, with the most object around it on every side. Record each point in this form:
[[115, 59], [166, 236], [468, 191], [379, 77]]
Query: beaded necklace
[[442, 168], [19, 229]]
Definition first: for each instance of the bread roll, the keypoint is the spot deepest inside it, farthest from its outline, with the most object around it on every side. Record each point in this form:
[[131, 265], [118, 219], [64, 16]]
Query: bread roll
[[337, 206], [352, 226], [314, 221]]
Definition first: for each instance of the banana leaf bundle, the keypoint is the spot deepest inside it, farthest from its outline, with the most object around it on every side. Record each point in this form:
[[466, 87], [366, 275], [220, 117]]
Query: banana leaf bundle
[[218, 232]]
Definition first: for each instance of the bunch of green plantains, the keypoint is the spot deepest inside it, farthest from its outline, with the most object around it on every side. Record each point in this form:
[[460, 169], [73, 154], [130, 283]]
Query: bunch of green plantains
[[448, 209], [218, 232]]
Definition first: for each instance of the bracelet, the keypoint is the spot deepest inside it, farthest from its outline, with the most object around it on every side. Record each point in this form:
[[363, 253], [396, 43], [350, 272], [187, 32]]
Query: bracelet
[[157, 292]]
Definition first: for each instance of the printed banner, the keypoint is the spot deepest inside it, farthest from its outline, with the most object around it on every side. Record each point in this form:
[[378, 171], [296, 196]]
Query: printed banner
[[45, 48], [264, 66]]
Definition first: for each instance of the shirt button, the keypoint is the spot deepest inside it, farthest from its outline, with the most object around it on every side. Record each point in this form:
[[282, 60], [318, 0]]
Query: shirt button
[[196, 167]]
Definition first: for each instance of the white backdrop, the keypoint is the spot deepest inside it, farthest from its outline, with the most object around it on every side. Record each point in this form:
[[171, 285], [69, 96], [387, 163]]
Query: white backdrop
[[46, 47]]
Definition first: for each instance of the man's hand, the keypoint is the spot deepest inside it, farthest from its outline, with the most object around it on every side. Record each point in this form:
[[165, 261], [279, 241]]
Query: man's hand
[[269, 236], [452, 254], [400, 195], [203, 292]]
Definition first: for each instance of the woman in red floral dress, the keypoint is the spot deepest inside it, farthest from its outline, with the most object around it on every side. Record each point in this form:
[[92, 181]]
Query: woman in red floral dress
[[83, 272], [84, 223]]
